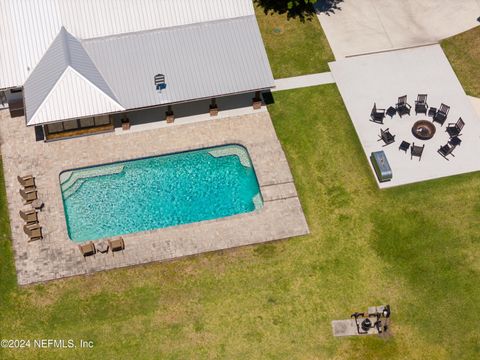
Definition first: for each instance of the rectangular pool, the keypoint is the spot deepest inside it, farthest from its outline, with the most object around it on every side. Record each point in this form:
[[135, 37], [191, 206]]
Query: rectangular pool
[[158, 192]]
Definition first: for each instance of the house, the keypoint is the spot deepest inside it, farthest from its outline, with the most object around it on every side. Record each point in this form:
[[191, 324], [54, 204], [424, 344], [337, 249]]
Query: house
[[69, 66]]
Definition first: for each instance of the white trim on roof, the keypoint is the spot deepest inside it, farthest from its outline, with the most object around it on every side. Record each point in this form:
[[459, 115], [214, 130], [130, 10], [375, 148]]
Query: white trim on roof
[[28, 27]]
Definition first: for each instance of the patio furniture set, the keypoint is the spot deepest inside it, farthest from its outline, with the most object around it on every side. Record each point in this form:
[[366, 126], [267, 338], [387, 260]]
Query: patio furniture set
[[423, 129], [28, 192], [102, 246]]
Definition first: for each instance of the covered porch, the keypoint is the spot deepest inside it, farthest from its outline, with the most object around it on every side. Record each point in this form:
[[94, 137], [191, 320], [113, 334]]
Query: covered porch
[[156, 117], [78, 127]]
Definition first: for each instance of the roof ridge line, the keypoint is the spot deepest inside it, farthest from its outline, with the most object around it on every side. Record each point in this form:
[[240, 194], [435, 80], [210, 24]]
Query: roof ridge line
[[116, 36]]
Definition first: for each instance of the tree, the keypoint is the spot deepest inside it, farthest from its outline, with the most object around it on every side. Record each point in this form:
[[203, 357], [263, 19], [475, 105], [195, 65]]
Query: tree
[[303, 9]]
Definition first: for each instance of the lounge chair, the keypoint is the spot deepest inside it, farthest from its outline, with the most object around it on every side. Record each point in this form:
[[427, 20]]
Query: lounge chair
[[117, 244], [87, 249], [403, 108], [421, 105], [446, 150], [26, 181], [377, 115], [441, 114], [387, 137], [416, 151], [34, 232], [28, 195], [30, 216], [454, 129]]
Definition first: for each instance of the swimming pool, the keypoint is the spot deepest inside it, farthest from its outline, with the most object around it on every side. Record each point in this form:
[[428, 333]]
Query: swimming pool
[[158, 192]]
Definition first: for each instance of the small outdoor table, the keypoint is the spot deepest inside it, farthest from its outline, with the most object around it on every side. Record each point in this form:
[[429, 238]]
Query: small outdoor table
[[432, 111], [455, 141], [102, 246], [404, 146], [37, 204]]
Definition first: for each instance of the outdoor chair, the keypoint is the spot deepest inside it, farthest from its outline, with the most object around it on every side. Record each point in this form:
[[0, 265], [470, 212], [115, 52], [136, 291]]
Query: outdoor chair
[[403, 107], [441, 114], [377, 115], [454, 129], [416, 151], [116, 245], [26, 181], [28, 195], [33, 231], [29, 216], [387, 137], [87, 249], [421, 105], [446, 150]]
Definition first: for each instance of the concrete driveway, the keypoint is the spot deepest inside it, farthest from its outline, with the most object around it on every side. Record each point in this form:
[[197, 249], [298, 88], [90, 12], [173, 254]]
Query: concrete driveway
[[365, 26]]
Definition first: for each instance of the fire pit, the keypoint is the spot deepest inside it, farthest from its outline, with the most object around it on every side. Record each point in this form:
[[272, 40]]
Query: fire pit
[[423, 130]]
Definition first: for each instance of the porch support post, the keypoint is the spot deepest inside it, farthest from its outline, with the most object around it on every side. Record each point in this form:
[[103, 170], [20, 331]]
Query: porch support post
[[257, 101], [213, 107], [169, 115]]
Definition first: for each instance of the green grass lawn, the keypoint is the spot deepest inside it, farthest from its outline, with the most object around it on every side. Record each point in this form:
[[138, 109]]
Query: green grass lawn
[[415, 247], [294, 47], [463, 52]]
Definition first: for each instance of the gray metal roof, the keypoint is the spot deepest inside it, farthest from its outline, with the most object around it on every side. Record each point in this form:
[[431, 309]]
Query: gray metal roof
[[116, 73], [28, 27], [200, 60]]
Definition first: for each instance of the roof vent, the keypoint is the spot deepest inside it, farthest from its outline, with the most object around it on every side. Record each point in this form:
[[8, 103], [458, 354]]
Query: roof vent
[[160, 82]]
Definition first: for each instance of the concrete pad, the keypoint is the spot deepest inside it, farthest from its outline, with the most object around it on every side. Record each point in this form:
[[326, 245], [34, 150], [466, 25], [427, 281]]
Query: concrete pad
[[475, 103], [349, 328], [365, 26], [303, 81], [382, 78]]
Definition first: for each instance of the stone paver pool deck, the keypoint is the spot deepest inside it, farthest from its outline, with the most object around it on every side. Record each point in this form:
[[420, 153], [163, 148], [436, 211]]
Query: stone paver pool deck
[[56, 256]]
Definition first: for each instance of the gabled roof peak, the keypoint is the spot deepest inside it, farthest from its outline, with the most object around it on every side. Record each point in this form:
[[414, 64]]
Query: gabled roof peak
[[66, 51]]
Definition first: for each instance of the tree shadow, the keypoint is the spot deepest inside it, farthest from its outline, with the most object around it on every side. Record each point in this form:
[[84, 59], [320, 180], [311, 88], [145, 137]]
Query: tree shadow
[[301, 9], [328, 7]]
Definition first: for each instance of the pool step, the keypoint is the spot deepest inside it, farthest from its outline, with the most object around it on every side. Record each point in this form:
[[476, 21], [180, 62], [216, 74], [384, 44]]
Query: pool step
[[258, 201], [233, 150], [69, 178], [73, 189]]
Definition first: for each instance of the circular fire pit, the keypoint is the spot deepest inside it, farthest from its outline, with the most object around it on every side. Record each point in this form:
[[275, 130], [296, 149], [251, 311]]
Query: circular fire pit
[[423, 130]]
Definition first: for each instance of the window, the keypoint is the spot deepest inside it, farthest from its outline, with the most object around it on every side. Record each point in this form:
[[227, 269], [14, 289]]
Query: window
[[70, 125], [87, 122], [102, 120]]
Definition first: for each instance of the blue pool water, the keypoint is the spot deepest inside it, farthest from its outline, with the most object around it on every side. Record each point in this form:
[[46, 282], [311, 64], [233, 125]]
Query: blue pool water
[[158, 192]]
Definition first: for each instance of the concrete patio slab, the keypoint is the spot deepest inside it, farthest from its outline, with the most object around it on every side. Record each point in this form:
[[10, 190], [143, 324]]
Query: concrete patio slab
[[56, 256], [476, 104], [365, 26], [382, 78]]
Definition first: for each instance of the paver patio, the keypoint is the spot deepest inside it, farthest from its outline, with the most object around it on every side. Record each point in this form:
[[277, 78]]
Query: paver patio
[[382, 78], [56, 256]]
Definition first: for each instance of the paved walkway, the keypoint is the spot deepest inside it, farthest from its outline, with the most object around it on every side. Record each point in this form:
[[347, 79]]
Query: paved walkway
[[365, 26], [303, 81], [56, 256]]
